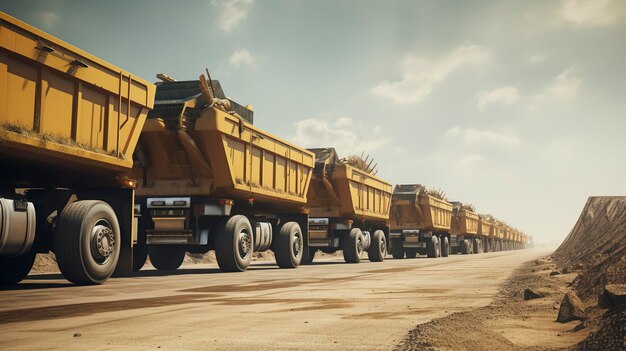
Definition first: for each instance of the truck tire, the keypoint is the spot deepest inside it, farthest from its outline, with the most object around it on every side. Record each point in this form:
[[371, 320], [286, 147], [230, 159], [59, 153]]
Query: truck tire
[[234, 244], [411, 252], [465, 246], [14, 269], [445, 247], [308, 255], [166, 257], [378, 247], [433, 250], [353, 246], [290, 246], [477, 246], [397, 251], [87, 242]]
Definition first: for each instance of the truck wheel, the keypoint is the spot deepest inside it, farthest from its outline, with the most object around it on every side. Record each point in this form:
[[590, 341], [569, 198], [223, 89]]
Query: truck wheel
[[477, 248], [308, 255], [233, 244], [290, 246], [353, 246], [166, 257], [14, 269], [465, 247], [87, 242], [397, 251], [432, 247], [445, 247], [378, 247], [410, 252]]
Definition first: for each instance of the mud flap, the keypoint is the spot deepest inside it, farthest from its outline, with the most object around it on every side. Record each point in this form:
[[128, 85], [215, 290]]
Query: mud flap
[[124, 208]]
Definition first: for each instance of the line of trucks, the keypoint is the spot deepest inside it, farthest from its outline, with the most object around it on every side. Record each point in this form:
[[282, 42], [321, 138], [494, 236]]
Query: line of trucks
[[106, 169]]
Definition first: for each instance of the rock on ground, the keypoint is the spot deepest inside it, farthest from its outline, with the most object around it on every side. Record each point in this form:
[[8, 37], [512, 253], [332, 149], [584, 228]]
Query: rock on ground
[[613, 297], [530, 294], [571, 309]]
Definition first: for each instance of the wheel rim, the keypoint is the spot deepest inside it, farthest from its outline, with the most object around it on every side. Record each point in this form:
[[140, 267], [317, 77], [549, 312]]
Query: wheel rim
[[244, 244], [102, 241], [297, 244], [383, 246], [359, 244]]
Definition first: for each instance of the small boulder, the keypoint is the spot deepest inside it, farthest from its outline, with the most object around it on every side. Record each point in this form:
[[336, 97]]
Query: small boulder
[[613, 297], [571, 309], [555, 272], [530, 294]]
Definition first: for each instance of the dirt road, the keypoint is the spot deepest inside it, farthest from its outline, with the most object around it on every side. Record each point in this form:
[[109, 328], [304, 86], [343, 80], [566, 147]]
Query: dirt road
[[324, 306]]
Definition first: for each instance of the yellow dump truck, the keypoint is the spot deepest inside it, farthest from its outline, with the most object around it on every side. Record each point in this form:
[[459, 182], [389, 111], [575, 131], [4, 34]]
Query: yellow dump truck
[[348, 210], [208, 179], [465, 234], [69, 124], [420, 223]]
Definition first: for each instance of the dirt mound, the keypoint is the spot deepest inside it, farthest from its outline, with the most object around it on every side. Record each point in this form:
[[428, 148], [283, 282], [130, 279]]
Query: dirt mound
[[596, 246]]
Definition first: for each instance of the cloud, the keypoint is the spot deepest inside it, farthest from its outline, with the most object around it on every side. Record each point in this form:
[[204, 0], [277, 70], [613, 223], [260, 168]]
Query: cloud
[[536, 58], [232, 12], [420, 75], [342, 134], [563, 88], [242, 57], [503, 96], [565, 85], [593, 13], [470, 161], [477, 136], [48, 19]]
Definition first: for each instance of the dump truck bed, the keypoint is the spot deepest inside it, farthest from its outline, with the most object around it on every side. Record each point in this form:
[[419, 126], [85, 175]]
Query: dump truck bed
[[411, 208], [464, 222], [190, 148], [500, 231], [485, 227], [62, 108], [345, 191]]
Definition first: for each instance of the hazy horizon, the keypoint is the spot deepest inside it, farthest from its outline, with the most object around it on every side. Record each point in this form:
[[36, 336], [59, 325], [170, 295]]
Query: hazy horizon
[[514, 106]]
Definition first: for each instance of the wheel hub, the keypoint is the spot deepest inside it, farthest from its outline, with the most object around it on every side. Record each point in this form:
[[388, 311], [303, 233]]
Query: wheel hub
[[103, 242], [245, 244], [359, 244], [297, 245]]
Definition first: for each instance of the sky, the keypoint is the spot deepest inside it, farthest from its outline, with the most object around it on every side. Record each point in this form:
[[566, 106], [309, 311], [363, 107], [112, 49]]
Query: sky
[[518, 107]]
